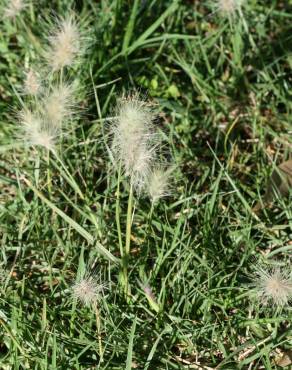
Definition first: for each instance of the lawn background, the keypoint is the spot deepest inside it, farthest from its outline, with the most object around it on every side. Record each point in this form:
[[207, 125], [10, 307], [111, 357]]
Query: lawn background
[[223, 87]]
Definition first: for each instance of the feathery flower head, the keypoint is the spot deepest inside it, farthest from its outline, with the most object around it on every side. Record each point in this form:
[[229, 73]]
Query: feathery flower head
[[158, 183], [228, 6], [36, 131], [58, 104], [65, 44], [134, 140], [13, 8], [88, 290], [32, 83], [272, 285]]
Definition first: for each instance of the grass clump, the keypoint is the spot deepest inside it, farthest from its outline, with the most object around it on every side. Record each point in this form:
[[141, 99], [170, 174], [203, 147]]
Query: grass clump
[[129, 225]]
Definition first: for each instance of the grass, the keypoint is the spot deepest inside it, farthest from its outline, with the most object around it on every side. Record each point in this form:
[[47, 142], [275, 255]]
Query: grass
[[223, 89]]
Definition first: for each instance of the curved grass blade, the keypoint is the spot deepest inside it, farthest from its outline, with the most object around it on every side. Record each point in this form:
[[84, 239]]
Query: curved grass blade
[[89, 238]]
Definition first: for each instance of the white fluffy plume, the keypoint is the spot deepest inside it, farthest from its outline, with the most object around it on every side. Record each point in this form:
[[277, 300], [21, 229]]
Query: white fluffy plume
[[58, 104], [43, 125], [228, 6], [158, 183], [13, 8], [134, 139], [272, 285], [32, 84], [64, 44], [88, 290], [36, 131]]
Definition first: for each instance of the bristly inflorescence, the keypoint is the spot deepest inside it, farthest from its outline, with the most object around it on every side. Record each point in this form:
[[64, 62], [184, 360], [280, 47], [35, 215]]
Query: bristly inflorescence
[[32, 84], [65, 44], [58, 104], [134, 141], [88, 290], [36, 131], [228, 7], [42, 121], [158, 183], [44, 124], [272, 285], [13, 8]]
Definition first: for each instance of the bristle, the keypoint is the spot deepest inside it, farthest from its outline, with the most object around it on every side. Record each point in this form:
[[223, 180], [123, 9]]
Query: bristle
[[58, 104], [88, 290], [36, 131], [65, 44], [134, 139], [14, 8], [228, 7], [158, 183], [272, 285], [32, 83]]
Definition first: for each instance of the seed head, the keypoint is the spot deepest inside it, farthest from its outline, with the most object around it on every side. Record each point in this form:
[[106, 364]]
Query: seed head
[[65, 44], [58, 104], [88, 290], [226, 7], [32, 83], [36, 131], [158, 183], [134, 140], [13, 8], [272, 285]]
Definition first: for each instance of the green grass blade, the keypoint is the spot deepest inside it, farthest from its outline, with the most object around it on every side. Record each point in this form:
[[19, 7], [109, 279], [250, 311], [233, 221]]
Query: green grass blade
[[130, 27], [139, 42], [89, 238], [130, 347]]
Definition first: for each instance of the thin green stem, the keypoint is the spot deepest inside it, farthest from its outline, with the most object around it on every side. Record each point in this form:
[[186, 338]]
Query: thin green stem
[[118, 223], [49, 179], [126, 255], [245, 25], [98, 329], [129, 222]]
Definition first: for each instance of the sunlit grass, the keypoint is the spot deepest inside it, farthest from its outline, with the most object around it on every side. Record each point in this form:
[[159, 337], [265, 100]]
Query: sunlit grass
[[220, 88]]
